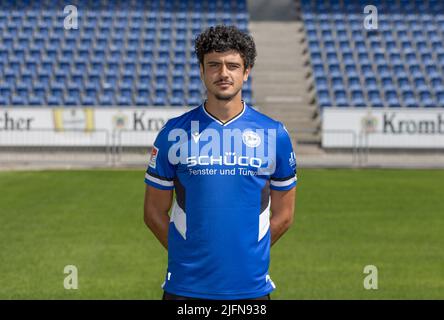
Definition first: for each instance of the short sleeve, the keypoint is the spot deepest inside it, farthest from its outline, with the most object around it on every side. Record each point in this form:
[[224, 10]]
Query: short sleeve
[[284, 177], [160, 172]]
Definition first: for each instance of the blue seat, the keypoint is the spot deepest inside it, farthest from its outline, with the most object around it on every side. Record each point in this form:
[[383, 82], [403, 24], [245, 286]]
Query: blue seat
[[337, 83], [351, 71], [178, 81], [367, 71], [178, 98], [360, 46], [354, 83], [421, 85], [160, 98], [110, 81], [161, 69], [161, 82], [124, 100], [379, 58], [321, 83], [426, 100], [316, 58], [411, 58], [399, 71], [437, 85], [106, 99], [180, 56], [318, 71], [324, 98], [440, 98], [194, 98], [164, 56], [391, 46], [383, 71], [341, 98], [357, 98], [335, 71], [54, 100], [347, 59], [143, 100], [388, 83], [371, 83], [392, 99], [329, 46], [89, 100], [332, 58], [409, 100], [374, 97], [314, 46], [194, 83], [72, 100], [404, 83], [415, 71], [19, 100], [179, 69]]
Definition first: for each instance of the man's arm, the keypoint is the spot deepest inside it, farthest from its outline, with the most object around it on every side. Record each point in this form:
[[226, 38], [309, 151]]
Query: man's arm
[[282, 212], [157, 204]]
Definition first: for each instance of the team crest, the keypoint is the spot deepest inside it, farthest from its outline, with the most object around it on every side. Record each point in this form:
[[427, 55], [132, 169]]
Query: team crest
[[251, 138]]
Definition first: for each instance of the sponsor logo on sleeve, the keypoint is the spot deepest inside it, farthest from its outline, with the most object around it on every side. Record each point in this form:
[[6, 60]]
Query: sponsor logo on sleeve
[[153, 159]]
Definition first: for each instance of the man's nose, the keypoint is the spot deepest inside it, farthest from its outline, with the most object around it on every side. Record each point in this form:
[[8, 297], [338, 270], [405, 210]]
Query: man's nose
[[223, 71]]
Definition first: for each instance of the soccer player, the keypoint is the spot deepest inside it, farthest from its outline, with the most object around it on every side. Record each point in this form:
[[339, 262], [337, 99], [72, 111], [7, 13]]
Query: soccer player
[[230, 166]]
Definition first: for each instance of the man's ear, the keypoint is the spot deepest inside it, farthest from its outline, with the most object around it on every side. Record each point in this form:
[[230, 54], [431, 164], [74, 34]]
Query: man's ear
[[246, 73], [201, 68]]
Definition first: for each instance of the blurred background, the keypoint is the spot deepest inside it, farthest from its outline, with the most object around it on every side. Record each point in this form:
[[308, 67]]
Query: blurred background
[[85, 86]]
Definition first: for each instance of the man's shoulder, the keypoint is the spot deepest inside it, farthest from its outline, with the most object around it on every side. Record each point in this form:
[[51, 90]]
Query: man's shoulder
[[263, 119]]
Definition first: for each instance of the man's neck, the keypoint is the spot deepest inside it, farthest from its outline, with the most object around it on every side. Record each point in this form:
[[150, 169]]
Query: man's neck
[[222, 109]]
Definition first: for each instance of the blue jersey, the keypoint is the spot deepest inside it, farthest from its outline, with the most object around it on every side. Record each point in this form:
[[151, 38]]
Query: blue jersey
[[222, 173]]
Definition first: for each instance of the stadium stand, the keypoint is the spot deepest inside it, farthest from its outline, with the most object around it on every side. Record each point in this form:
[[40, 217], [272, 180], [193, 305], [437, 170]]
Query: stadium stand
[[399, 65], [125, 53]]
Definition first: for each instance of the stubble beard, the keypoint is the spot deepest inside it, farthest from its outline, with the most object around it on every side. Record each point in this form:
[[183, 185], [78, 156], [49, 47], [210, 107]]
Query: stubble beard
[[226, 97]]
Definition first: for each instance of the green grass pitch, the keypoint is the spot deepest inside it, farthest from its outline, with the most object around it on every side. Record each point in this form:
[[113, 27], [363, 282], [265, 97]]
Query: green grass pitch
[[344, 220]]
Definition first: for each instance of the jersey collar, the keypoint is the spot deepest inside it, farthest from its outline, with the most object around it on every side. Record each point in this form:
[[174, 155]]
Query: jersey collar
[[229, 121]]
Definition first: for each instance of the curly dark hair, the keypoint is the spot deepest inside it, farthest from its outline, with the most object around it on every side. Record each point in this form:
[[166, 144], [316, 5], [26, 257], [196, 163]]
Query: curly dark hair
[[223, 38]]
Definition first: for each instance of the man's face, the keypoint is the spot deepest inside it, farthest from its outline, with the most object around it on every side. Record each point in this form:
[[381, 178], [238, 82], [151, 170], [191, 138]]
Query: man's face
[[223, 74]]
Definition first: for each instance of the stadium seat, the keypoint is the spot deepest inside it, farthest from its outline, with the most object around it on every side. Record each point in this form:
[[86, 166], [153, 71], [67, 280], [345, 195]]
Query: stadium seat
[[374, 98], [427, 100], [358, 99], [160, 98], [324, 99], [392, 99], [440, 98], [178, 98]]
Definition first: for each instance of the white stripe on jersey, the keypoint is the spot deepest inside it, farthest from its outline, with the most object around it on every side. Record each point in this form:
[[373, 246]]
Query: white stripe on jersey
[[283, 183], [159, 181]]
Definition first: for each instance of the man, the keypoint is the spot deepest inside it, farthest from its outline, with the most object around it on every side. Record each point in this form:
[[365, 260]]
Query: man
[[220, 232]]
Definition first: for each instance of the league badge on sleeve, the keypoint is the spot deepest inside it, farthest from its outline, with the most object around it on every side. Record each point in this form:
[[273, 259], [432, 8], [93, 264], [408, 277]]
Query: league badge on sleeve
[[153, 158], [292, 160]]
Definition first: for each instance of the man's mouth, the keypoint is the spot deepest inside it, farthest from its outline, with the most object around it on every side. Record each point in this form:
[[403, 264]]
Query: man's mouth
[[223, 83]]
